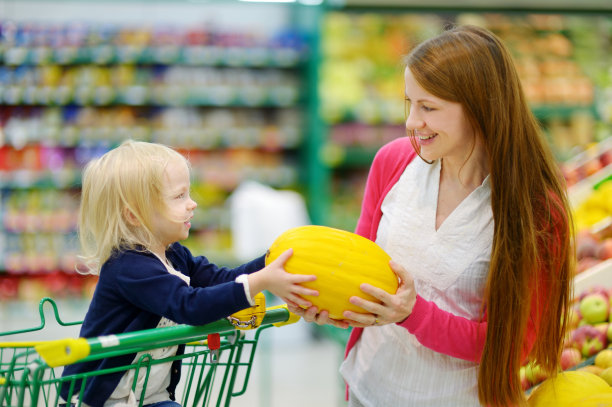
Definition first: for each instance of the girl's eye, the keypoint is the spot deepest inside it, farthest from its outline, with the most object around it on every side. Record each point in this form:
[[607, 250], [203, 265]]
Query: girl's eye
[[427, 108], [180, 196]]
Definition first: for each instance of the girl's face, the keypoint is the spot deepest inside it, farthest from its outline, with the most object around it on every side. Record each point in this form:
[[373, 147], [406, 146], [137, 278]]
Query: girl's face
[[173, 225], [441, 127]]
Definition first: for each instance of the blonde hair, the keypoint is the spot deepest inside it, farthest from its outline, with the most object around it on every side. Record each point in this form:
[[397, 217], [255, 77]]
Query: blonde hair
[[532, 252], [125, 181]]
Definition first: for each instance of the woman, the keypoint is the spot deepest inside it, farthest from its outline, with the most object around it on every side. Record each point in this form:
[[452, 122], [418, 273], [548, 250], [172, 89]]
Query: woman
[[478, 229]]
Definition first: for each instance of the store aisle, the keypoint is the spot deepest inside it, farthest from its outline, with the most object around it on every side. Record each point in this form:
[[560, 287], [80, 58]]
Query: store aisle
[[291, 367]]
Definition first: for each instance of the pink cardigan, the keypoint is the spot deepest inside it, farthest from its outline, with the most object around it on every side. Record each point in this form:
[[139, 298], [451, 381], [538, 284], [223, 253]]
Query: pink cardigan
[[434, 328]]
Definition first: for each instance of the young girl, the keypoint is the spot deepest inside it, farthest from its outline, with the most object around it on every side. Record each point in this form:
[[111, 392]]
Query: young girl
[[135, 207]]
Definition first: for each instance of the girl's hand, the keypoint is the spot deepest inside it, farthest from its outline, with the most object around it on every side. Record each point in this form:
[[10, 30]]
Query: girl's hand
[[312, 314], [394, 307], [285, 285]]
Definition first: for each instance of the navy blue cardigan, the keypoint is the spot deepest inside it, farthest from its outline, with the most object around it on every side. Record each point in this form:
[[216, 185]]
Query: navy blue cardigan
[[135, 290]]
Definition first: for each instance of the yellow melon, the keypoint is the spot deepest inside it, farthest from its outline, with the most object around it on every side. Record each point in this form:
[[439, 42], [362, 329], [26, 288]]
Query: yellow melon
[[341, 260], [596, 400], [569, 389]]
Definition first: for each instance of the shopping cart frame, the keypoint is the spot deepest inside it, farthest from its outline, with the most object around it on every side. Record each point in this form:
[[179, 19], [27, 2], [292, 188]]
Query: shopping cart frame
[[31, 374]]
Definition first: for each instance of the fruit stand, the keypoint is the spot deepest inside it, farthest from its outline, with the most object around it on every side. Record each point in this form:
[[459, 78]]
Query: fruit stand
[[586, 359], [591, 200]]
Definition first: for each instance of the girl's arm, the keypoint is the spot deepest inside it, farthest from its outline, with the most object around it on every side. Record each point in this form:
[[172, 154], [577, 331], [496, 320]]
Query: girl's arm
[[148, 286], [203, 273], [260, 277]]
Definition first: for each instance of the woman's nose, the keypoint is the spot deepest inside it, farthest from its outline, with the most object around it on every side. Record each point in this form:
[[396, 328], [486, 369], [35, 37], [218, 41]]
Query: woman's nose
[[413, 121]]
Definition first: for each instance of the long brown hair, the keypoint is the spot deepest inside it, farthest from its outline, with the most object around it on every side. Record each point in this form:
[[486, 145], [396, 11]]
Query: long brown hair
[[532, 251]]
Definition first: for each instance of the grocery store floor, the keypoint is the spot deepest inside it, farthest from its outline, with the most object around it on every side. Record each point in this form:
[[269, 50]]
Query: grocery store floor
[[292, 366]]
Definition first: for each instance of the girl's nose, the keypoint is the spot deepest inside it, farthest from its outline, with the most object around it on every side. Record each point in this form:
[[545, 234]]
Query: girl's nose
[[192, 204]]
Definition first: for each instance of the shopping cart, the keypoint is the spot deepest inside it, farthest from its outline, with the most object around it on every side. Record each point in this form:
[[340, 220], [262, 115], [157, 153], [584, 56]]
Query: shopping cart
[[216, 364]]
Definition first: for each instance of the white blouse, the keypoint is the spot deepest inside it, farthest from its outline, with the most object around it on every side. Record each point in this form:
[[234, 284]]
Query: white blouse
[[388, 366]]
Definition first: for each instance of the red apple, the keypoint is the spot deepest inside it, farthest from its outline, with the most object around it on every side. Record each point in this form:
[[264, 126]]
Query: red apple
[[602, 327], [605, 158], [586, 263], [595, 289], [604, 251], [591, 166], [571, 175], [570, 357], [588, 340], [594, 308], [586, 244]]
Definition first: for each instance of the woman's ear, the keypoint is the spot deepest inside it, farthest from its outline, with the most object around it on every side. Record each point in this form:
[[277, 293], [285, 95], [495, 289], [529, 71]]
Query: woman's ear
[[130, 217]]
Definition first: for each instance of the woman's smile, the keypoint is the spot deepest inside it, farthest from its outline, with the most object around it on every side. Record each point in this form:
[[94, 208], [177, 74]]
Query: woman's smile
[[425, 136]]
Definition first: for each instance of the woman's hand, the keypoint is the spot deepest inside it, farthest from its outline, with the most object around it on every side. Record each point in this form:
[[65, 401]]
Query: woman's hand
[[393, 308], [312, 314]]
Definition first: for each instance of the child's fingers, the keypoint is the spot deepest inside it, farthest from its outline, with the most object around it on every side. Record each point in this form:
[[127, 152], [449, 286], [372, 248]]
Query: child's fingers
[[296, 299], [311, 314], [293, 307], [298, 288], [302, 278], [305, 291], [283, 257]]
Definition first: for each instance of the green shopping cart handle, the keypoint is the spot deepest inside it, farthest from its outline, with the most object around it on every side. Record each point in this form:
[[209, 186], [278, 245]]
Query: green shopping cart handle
[[70, 350], [293, 318]]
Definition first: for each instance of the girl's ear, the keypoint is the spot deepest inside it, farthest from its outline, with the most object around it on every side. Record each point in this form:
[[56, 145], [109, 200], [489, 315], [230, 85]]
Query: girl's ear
[[130, 217]]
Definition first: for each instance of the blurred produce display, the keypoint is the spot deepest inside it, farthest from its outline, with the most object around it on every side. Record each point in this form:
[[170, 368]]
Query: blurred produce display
[[596, 208], [587, 346], [594, 162]]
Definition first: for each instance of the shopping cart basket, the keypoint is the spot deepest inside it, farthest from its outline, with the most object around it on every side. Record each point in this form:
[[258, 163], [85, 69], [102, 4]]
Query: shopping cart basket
[[216, 364]]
